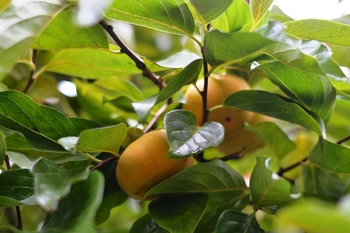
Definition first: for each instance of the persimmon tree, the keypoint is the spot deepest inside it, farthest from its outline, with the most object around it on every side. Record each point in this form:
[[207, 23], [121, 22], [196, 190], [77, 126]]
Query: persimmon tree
[[58, 154]]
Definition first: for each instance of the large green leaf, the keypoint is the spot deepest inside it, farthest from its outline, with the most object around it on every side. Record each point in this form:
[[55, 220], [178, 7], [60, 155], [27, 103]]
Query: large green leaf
[[63, 33], [267, 188], [221, 48], [93, 63], [167, 214], [76, 212], [146, 224], [172, 16], [322, 30], [316, 216], [321, 183], [274, 137], [41, 125], [28, 19], [104, 139], [2, 148], [331, 156], [313, 91], [17, 188], [186, 138], [275, 106], [235, 221], [209, 10], [187, 75], [53, 182], [259, 9]]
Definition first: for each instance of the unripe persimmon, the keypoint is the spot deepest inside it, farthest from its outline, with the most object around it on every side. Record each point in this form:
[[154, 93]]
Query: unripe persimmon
[[219, 87], [143, 164]]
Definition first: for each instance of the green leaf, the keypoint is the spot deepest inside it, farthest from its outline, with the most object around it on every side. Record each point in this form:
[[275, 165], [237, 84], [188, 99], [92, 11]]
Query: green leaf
[[53, 182], [259, 9], [166, 212], [76, 212], [236, 16], [331, 156], [179, 60], [187, 75], [275, 138], [278, 15], [3, 148], [275, 106], [316, 216], [104, 139], [221, 48], [321, 183], [186, 138], [313, 91], [41, 125], [29, 18], [4, 5], [211, 177], [319, 29], [267, 188], [17, 144], [73, 36], [146, 224], [93, 63], [172, 16], [17, 188], [235, 221], [210, 10]]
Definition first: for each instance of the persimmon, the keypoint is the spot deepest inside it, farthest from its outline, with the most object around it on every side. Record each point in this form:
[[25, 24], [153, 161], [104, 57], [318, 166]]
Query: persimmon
[[143, 164]]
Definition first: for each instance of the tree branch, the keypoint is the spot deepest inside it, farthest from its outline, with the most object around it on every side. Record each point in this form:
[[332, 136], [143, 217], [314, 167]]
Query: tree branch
[[343, 140], [31, 77], [290, 167], [157, 116], [138, 61]]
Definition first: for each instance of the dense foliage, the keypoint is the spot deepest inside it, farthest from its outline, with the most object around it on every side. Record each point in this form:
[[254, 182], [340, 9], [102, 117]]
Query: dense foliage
[[58, 153]]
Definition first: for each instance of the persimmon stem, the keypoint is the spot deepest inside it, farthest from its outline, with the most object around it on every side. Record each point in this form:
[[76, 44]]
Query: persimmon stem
[[18, 210], [31, 77], [138, 61], [103, 162]]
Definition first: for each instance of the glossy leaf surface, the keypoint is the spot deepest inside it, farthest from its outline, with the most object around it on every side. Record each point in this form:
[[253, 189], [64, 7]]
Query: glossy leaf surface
[[209, 10]]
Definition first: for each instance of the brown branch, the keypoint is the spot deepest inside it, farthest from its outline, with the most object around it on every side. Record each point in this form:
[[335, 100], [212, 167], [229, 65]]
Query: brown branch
[[157, 116], [138, 61], [343, 140], [31, 77], [284, 170], [103, 162]]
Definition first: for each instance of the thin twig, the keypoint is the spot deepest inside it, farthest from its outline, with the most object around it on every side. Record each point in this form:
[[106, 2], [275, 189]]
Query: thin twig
[[343, 140], [103, 162], [18, 210], [284, 170], [31, 77], [157, 116], [138, 61]]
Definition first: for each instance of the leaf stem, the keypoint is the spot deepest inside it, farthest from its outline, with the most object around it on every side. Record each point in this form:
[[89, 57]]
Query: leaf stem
[[290, 167], [343, 140], [138, 61], [87, 155], [31, 77], [18, 210], [157, 116]]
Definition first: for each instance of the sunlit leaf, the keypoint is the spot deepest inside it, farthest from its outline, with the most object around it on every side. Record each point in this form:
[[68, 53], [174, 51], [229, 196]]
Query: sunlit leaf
[[314, 92], [76, 212], [235, 221], [259, 9], [275, 138], [267, 188], [179, 60], [278, 15], [93, 63], [29, 18], [209, 10], [17, 188], [187, 75], [62, 33], [186, 138], [319, 29], [275, 106], [53, 182], [41, 125], [331, 156], [166, 212], [321, 183], [172, 16]]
